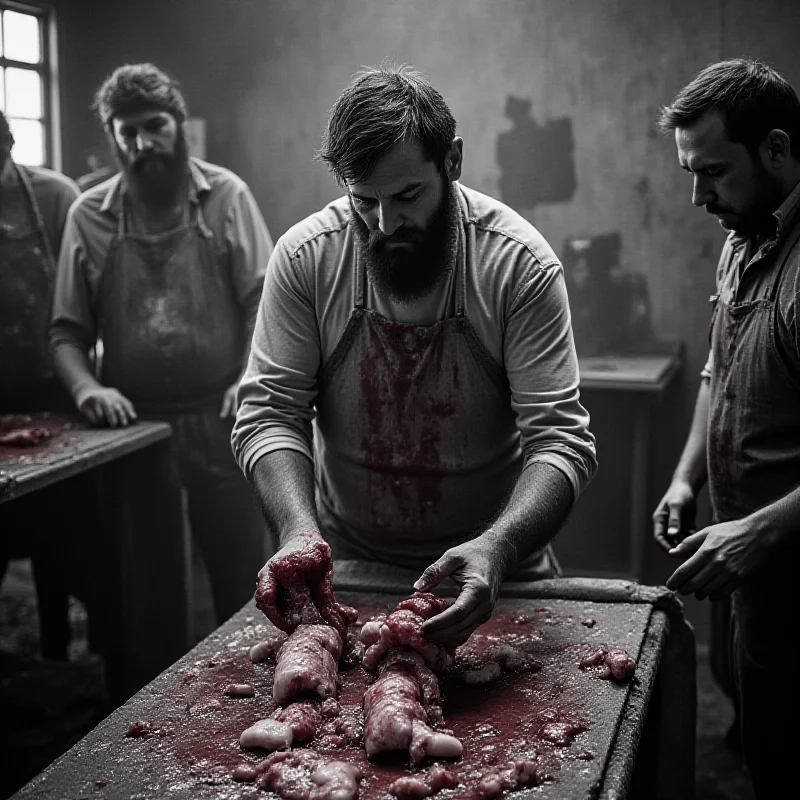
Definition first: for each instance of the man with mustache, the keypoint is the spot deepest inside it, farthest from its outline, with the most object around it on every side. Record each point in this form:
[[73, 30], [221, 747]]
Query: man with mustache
[[424, 327], [164, 263], [737, 130]]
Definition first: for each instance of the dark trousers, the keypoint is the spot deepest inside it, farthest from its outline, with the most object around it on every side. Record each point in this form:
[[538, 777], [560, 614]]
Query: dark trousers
[[227, 524], [763, 625]]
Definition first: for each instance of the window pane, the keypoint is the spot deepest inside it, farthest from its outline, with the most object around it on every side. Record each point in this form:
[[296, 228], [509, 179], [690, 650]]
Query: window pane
[[21, 37], [23, 93], [2, 89], [1, 33], [28, 141]]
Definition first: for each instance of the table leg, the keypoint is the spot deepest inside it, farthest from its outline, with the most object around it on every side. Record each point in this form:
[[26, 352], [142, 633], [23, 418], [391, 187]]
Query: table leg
[[144, 591]]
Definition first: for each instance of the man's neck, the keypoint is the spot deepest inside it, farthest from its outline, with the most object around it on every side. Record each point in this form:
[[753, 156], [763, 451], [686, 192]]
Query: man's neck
[[157, 218], [8, 174]]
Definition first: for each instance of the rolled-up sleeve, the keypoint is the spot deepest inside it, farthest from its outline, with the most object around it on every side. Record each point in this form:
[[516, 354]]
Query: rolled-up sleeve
[[542, 368], [250, 245], [277, 393], [73, 321]]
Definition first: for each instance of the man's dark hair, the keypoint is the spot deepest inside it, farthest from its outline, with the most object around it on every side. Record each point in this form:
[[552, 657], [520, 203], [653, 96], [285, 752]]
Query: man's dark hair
[[380, 107], [136, 87], [752, 98], [6, 137]]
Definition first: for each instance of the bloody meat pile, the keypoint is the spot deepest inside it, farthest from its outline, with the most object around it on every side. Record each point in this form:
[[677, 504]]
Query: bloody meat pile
[[297, 596], [17, 430], [402, 709], [312, 743]]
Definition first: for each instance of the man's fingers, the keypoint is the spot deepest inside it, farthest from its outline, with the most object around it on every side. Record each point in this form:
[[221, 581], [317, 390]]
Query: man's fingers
[[436, 573], [459, 632], [711, 586], [469, 599], [690, 545], [130, 410], [685, 572]]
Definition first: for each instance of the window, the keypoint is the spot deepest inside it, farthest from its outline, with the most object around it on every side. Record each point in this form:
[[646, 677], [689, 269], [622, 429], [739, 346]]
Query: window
[[25, 81]]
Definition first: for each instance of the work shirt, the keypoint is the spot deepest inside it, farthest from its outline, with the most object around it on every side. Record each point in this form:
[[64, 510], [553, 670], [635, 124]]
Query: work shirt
[[738, 255], [515, 300], [229, 211], [54, 194]]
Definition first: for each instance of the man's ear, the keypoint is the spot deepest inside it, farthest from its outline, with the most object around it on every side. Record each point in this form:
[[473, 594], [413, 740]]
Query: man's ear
[[775, 149], [454, 159]]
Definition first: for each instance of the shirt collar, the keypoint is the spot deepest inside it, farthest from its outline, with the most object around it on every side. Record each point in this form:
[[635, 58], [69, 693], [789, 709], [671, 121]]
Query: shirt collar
[[784, 216], [198, 185]]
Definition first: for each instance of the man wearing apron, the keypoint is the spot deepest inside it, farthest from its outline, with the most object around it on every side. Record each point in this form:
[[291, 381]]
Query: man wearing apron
[[737, 129], [424, 328], [33, 208], [164, 263]]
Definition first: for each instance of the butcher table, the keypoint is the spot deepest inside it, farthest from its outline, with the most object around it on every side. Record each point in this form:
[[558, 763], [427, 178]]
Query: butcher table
[[178, 737], [138, 600]]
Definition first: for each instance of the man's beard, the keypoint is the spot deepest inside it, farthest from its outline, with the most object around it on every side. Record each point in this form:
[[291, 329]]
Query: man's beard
[[411, 273], [156, 179]]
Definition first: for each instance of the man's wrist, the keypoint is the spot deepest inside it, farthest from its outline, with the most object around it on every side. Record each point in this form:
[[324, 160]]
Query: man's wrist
[[504, 551]]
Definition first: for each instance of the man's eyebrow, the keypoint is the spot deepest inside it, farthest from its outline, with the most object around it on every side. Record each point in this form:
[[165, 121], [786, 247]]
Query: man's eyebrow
[[704, 167], [408, 188]]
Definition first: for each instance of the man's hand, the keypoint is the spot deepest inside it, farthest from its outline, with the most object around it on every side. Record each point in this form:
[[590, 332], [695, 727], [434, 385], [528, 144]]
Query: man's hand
[[478, 567], [721, 557], [229, 404], [674, 518], [102, 405]]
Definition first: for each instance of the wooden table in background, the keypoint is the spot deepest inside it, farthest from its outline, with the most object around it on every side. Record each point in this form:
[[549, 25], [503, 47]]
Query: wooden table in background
[[645, 378], [138, 552]]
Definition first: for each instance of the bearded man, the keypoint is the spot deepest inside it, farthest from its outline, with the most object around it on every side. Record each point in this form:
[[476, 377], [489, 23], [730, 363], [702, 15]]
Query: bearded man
[[425, 328], [164, 263]]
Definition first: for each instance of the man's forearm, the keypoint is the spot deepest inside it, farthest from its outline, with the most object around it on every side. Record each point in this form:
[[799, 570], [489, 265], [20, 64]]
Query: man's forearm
[[284, 484], [536, 509], [73, 368], [692, 466]]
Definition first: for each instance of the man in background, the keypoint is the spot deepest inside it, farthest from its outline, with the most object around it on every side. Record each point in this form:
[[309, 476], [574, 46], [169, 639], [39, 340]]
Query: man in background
[[33, 209], [425, 327], [737, 130], [164, 263]]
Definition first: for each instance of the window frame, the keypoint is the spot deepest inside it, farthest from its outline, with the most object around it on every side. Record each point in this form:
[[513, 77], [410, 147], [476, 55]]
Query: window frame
[[46, 68]]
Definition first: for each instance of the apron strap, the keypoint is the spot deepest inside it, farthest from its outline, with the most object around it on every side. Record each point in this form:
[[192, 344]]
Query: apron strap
[[35, 213], [782, 259], [360, 283]]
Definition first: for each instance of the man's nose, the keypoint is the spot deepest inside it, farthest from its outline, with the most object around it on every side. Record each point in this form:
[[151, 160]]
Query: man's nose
[[143, 142], [388, 219], [701, 192]]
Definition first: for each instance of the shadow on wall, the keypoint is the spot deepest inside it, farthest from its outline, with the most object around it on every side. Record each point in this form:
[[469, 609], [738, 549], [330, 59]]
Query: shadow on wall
[[537, 163]]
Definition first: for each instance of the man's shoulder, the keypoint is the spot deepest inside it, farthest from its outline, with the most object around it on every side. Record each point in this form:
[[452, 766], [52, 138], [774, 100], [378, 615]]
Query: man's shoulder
[[51, 182], [219, 179], [501, 226], [328, 225]]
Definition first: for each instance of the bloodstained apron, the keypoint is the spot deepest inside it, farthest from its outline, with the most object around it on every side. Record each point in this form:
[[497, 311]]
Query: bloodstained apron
[[168, 317], [753, 460], [27, 275], [416, 444]]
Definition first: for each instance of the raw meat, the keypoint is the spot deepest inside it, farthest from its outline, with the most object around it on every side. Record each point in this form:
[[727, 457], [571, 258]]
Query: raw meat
[[239, 690], [403, 628], [303, 775], [24, 437], [397, 709], [307, 662], [268, 647], [294, 724], [484, 656], [612, 663], [424, 784], [520, 772], [297, 590]]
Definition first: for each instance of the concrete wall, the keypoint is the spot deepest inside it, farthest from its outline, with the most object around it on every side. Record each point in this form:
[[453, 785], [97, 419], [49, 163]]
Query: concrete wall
[[593, 73]]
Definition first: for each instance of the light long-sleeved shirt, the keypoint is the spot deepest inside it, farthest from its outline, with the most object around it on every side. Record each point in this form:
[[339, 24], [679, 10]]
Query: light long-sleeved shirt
[[515, 299], [229, 211]]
